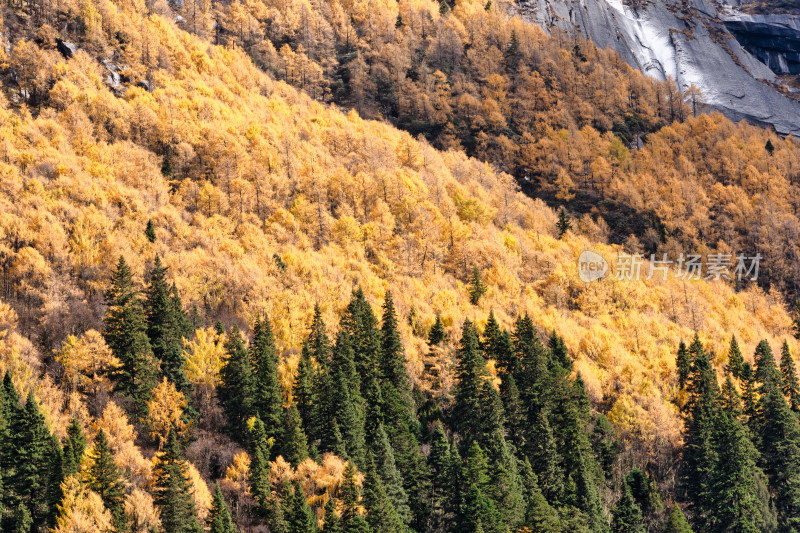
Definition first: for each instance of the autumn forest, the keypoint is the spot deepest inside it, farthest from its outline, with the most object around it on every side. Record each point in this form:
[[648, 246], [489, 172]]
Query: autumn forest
[[303, 266]]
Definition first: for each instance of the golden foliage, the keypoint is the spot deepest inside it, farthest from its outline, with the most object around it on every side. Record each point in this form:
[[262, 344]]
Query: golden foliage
[[81, 510], [165, 412]]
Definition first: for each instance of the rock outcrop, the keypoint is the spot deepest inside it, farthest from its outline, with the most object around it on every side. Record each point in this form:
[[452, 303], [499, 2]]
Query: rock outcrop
[[685, 40]]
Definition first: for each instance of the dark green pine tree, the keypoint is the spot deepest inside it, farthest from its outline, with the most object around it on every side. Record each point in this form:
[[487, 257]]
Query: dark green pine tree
[[166, 326], [294, 443], [73, 448], [563, 224], [699, 450], [749, 400], [393, 367], [507, 489], [259, 449], [738, 485], [626, 516], [515, 412], [544, 456], [471, 375], [605, 444], [352, 521], [172, 490], [477, 288], [55, 477], [644, 492], [105, 479], [330, 521], [437, 333], [219, 517], [150, 231], [268, 400], [299, 517], [730, 400], [32, 462], [302, 388], [676, 523], [791, 386], [126, 334], [364, 338], [684, 364], [237, 390], [767, 373], [391, 480], [558, 351], [735, 359], [477, 510], [444, 482], [382, 516], [779, 432]]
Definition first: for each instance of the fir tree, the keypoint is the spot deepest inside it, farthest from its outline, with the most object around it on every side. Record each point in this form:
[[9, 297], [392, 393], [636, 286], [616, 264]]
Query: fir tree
[[563, 224], [299, 516], [779, 432], [626, 516], [259, 466], [237, 390], [360, 327], [797, 319], [676, 523], [767, 373], [605, 444], [769, 147], [126, 335], [105, 479], [737, 484], [477, 510], [219, 517], [514, 411], [294, 443], [150, 231], [172, 490], [643, 491], [791, 386], [74, 447], [735, 359], [351, 521], [477, 288], [30, 467], [382, 516], [268, 400], [165, 327], [302, 388], [700, 452], [437, 333], [390, 478], [443, 481], [392, 356], [749, 401], [558, 351], [331, 522]]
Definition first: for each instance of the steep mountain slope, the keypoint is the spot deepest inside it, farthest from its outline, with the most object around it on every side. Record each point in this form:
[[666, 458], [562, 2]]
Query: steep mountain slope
[[687, 41]]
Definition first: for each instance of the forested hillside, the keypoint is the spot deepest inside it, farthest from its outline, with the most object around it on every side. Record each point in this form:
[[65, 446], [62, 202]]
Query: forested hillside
[[227, 302]]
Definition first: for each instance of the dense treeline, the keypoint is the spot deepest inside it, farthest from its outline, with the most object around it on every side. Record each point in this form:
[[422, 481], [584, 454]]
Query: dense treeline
[[516, 449]]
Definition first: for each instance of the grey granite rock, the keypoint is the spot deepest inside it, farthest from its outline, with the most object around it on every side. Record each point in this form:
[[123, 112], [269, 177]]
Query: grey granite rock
[[687, 41]]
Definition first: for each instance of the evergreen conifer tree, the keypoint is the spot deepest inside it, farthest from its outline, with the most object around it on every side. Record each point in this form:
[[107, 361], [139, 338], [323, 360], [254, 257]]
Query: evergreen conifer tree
[[125, 333], [166, 327], [331, 522], [219, 517], [683, 363], [172, 490], [268, 400], [437, 333], [382, 516], [477, 288], [294, 443], [237, 390], [626, 516], [791, 386], [150, 231], [563, 224], [676, 523], [735, 359], [105, 479], [298, 514]]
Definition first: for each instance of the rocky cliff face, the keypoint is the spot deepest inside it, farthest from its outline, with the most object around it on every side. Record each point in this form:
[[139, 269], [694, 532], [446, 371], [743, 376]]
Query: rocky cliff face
[[773, 39], [690, 41]]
